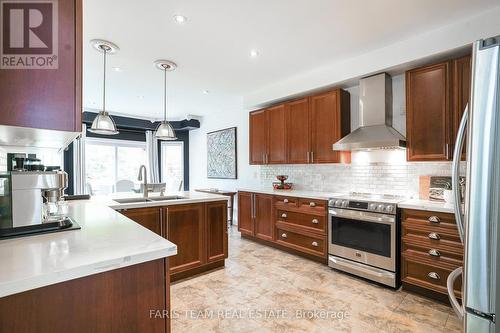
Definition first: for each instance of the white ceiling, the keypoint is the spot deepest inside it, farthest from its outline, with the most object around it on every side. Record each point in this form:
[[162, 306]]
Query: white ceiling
[[212, 48]]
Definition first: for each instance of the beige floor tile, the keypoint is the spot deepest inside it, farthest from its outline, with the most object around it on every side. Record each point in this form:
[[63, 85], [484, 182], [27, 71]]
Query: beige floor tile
[[259, 278]]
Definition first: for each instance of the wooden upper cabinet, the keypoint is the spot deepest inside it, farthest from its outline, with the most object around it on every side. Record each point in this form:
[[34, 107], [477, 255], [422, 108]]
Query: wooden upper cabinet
[[245, 213], [276, 153], [147, 217], [330, 121], [185, 227], [258, 136], [48, 98], [428, 115], [298, 124], [216, 217], [462, 74], [264, 219]]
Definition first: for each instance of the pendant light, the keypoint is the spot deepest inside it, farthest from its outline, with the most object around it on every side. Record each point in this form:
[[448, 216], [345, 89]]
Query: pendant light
[[103, 123], [165, 131]]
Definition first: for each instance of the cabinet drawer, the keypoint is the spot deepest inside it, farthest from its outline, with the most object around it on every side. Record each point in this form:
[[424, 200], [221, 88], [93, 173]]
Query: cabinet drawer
[[438, 254], [433, 236], [428, 276], [312, 222], [305, 243], [280, 201], [318, 205], [429, 219]]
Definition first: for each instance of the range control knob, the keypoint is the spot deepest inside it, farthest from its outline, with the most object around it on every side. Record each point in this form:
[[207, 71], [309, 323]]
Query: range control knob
[[381, 207], [389, 208], [345, 203], [338, 203], [372, 206]]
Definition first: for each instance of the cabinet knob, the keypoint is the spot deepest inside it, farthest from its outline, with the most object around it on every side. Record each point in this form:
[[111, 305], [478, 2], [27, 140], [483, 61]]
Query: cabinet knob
[[315, 221], [284, 215], [285, 200], [312, 204], [434, 219], [283, 235], [434, 276], [434, 253], [315, 244], [434, 235]]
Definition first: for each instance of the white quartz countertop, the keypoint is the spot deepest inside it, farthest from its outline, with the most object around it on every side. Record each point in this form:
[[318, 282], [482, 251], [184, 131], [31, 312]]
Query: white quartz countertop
[[433, 206], [107, 240], [293, 193]]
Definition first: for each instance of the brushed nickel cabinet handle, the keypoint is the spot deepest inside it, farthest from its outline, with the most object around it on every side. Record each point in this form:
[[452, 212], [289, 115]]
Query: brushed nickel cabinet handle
[[285, 200], [434, 253], [315, 244], [434, 219], [308, 159], [312, 157], [284, 215], [312, 204], [434, 276], [434, 235], [283, 235], [315, 221]]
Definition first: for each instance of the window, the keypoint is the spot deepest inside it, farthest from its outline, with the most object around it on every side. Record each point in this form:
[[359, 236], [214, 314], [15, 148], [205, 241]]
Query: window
[[112, 165], [172, 164]]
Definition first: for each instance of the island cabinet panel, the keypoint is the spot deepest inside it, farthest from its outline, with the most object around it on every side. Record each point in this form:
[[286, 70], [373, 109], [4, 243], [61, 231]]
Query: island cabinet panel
[[258, 136], [119, 300], [198, 230], [266, 218], [48, 98], [185, 227], [298, 124], [147, 217], [216, 231]]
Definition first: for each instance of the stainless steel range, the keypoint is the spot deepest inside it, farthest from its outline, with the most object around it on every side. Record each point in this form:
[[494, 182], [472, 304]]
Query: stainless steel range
[[363, 236]]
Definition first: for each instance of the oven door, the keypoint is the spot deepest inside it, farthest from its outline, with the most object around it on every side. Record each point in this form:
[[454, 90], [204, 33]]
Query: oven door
[[365, 237]]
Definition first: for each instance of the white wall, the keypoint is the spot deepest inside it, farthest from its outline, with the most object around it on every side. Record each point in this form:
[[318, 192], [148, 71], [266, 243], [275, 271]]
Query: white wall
[[247, 175]]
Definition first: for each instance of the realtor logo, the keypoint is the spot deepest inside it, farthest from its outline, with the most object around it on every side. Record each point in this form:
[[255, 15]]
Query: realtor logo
[[28, 36]]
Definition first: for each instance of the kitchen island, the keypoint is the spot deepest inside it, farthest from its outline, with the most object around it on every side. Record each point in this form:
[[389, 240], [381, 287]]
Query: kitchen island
[[112, 275]]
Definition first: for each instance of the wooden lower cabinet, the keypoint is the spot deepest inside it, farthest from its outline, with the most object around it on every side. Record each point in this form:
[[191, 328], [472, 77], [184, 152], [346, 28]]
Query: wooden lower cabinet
[[431, 250], [120, 300], [266, 218], [199, 231], [185, 227], [147, 217]]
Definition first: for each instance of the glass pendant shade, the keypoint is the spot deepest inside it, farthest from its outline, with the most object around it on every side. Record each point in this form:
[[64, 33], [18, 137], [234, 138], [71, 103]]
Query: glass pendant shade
[[103, 124], [165, 131]]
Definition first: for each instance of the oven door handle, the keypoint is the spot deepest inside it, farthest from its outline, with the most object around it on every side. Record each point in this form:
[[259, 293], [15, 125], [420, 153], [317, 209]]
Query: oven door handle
[[363, 216]]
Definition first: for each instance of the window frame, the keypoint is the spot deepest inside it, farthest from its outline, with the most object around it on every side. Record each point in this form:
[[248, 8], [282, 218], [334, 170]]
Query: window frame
[[161, 156], [115, 143]]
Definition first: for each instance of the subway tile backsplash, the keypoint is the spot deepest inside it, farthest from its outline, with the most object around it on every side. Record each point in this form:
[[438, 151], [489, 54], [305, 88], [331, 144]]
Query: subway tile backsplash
[[3, 160], [384, 173]]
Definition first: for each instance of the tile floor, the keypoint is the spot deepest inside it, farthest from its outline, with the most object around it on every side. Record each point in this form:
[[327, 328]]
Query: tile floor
[[262, 289]]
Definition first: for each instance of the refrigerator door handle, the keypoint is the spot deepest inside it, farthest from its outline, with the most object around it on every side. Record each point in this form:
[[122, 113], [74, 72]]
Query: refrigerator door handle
[[455, 172], [459, 309]]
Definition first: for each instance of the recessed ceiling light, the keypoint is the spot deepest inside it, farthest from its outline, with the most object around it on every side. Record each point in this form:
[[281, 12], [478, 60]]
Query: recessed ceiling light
[[140, 96], [117, 69], [180, 18], [254, 53], [206, 92]]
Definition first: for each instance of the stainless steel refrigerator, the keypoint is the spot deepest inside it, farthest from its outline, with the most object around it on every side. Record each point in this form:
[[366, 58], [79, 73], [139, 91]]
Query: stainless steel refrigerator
[[478, 218]]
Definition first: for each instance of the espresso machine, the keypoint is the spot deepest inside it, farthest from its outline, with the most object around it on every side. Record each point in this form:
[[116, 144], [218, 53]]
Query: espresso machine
[[32, 202]]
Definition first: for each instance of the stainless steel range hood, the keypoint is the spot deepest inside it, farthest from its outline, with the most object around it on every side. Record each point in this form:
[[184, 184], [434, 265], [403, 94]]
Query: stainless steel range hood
[[375, 117]]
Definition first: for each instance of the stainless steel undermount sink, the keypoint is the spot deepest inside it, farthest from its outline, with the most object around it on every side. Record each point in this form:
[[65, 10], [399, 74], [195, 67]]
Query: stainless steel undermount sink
[[166, 197], [131, 200]]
